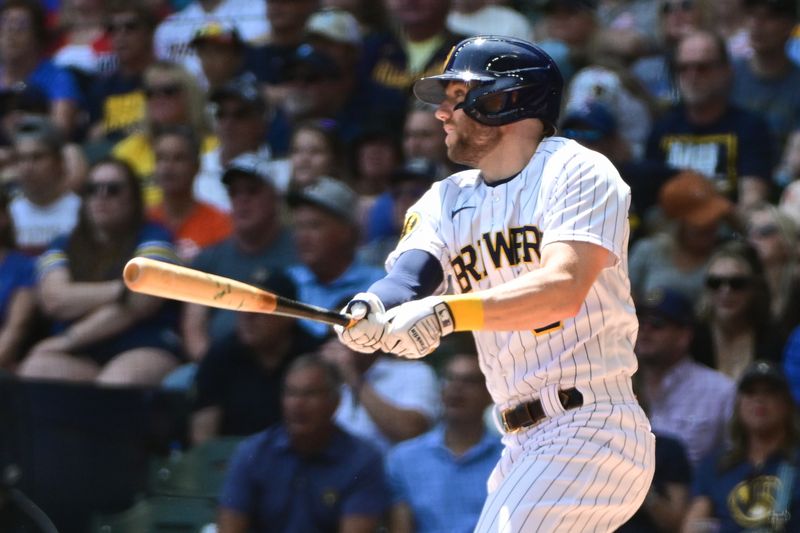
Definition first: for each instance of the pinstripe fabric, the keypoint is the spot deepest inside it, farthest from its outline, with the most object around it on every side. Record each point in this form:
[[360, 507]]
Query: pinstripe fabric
[[597, 459]]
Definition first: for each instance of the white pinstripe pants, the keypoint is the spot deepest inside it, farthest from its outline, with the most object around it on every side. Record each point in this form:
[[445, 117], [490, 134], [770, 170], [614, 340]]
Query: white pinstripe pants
[[586, 470]]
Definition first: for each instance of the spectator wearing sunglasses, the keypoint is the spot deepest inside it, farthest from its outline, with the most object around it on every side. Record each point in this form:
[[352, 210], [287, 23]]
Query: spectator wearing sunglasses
[[735, 324], [101, 332], [117, 102], [774, 236], [672, 382], [173, 98], [241, 122]]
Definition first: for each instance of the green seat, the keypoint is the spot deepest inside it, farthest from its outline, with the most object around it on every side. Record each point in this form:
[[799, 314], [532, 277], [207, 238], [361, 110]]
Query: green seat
[[199, 472], [159, 514]]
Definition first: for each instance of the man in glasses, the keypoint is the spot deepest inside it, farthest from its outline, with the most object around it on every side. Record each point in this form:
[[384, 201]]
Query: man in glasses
[[241, 117], [116, 104], [706, 132], [672, 383]]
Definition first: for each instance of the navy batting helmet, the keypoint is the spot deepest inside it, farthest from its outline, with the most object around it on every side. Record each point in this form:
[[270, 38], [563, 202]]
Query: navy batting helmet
[[510, 80]]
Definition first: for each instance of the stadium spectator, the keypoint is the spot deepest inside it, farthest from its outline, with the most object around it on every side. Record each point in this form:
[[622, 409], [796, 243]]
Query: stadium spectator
[[174, 34], [315, 151], [677, 19], [416, 47], [766, 83], [46, 207], [305, 474], [371, 16], [729, 21], [735, 325], [84, 46], [458, 452], [194, 224], [774, 236], [677, 257], [709, 134], [751, 484], [789, 168], [241, 115], [238, 383], [385, 399], [221, 52], [102, 332], [407, 184], [672, 383], [258, 243], [116, 100], [17, 301], [375, 154], [287, 20], [23, 39], [323, 80], [476, 17], [324, 216], [173, 99]]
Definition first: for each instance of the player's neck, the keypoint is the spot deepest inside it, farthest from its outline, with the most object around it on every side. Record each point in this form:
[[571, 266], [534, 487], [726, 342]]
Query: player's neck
[[513, 152]]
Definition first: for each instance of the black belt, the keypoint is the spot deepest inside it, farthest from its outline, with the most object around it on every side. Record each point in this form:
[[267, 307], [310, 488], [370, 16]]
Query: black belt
[[531, 413]]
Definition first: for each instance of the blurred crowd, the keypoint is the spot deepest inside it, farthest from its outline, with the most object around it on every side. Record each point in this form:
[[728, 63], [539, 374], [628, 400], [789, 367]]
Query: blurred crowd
[[277, 142]]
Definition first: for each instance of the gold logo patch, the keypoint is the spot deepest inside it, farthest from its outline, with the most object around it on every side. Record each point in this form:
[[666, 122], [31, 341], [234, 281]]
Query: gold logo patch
[[410, 224]]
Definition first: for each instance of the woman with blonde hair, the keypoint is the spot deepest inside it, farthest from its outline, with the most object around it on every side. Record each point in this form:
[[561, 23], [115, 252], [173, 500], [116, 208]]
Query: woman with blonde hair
[[773, 234], [173, 98]]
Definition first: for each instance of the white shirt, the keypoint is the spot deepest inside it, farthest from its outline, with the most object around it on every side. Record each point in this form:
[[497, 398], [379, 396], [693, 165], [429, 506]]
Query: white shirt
[[406, 384], [491, 20], [36, 226], [172, 36], [487, 235]]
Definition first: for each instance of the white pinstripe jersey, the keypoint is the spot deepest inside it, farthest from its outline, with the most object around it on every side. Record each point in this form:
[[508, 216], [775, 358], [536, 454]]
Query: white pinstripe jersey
[[485, 235]]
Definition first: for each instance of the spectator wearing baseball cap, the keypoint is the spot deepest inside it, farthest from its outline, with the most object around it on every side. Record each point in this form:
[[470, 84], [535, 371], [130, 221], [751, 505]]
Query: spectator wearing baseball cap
[[325, 221], [241, 116], [672, 382], [677, 256], [220, 49], [751, 483], [767, 81], [259, 241]]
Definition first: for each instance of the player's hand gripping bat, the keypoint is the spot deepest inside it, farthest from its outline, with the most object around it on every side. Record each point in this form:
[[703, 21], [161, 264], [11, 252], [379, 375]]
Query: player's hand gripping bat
[[158, 278]]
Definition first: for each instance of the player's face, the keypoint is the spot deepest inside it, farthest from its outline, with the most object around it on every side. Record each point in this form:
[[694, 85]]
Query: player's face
[[468, 142]]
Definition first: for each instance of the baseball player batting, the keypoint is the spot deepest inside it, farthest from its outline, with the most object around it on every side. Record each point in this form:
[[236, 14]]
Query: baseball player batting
[[534, 244]]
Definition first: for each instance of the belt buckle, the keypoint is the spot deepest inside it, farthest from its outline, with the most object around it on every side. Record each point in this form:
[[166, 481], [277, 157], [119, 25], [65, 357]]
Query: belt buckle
[[508, 429]]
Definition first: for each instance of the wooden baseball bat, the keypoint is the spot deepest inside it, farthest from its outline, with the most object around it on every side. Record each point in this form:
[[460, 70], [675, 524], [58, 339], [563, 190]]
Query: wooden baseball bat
[[167, 280]]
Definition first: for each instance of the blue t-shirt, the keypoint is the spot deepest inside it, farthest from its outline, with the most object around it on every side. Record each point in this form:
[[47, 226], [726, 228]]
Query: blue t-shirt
[[16, 272], [280, 490], [743, 496], [737, 144], [445, 493], [56, 82], [332, 295]]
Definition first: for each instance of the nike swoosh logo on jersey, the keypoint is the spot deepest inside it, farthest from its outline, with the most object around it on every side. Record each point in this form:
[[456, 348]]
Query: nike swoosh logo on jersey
[[454, 211]]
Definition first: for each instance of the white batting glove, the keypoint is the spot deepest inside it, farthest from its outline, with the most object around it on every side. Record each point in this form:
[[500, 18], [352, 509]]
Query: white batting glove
[[416, 328], [366, 334]]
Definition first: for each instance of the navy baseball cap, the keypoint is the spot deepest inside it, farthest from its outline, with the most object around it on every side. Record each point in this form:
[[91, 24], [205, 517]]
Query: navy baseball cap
[[590, 122], [760, 371], [417, 169], [667, 303], [245, 88]]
